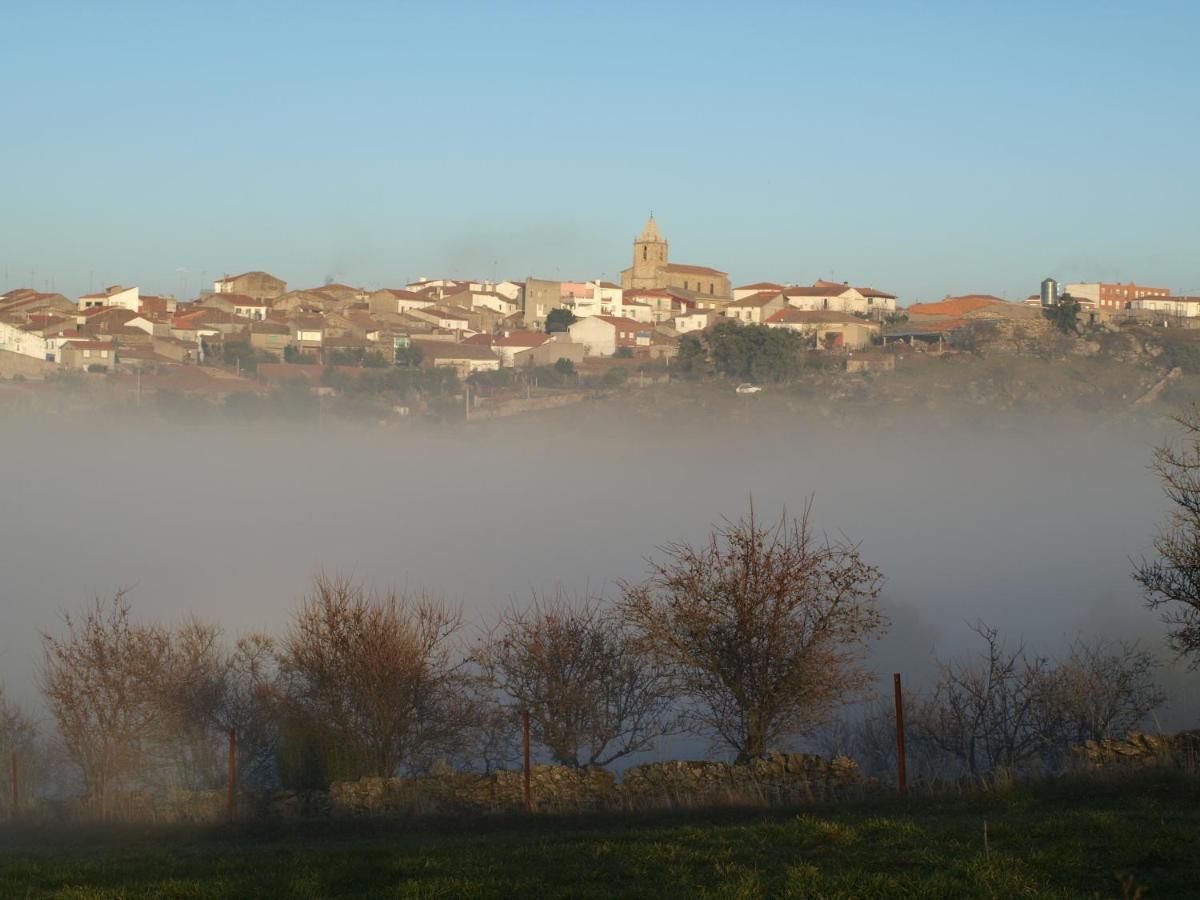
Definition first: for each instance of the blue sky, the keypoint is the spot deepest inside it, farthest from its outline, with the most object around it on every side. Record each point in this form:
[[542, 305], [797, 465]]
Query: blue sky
[[925, 148]]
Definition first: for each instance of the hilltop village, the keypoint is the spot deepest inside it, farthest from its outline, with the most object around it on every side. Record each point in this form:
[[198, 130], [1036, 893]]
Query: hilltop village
[[427, 343]]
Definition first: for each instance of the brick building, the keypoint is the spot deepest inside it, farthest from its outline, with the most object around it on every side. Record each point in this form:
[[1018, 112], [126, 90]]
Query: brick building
[[1113, 296]]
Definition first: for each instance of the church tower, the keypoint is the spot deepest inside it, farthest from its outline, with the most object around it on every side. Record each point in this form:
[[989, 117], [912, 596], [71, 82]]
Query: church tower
[[649, 255]]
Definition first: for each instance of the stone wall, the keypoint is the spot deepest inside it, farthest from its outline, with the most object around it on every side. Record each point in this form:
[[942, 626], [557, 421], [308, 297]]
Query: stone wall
[[776, 780], [1138, 750], [26, 366]]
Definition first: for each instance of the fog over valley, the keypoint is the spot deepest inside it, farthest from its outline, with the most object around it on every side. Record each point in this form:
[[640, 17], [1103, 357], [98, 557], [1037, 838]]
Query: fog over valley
[[1027, 524]]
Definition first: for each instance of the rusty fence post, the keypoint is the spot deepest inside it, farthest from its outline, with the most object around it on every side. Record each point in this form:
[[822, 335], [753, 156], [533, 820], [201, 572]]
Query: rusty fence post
[[525, 736], [231, 796], [901, 775]]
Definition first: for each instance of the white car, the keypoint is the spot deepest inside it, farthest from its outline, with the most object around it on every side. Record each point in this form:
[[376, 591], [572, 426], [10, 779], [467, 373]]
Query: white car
[[748, 388]]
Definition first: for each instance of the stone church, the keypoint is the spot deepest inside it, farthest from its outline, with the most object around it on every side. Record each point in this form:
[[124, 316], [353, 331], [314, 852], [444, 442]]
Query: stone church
[[651, 269]]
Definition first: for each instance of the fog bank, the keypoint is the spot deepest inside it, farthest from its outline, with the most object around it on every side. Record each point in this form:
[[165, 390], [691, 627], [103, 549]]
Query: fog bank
[[1027, 524]]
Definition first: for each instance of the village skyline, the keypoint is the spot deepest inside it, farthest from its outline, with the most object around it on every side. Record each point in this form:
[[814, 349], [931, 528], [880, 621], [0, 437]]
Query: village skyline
[[191, 282]]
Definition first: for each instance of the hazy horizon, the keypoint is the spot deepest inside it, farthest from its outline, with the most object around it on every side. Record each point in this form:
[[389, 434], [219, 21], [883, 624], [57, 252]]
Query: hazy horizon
[[925, 150]]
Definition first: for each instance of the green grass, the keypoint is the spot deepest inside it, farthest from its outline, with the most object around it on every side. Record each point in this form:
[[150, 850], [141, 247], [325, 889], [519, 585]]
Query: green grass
[[1072, 838]]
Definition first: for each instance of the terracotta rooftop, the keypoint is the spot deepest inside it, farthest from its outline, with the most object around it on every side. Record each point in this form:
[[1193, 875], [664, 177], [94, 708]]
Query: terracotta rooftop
[[692, 270], [762, 298], [820, 289], [521, 339], [871, 292], [954, 306]]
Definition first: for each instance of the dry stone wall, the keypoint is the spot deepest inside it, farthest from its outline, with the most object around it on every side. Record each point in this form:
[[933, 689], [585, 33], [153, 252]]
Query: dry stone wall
[[775, 780], [1138, 750]]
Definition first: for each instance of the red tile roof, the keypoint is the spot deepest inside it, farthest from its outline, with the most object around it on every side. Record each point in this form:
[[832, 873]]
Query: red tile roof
[[871, 292], [955, 306], [521, 339], [762, 298], [692, 270]]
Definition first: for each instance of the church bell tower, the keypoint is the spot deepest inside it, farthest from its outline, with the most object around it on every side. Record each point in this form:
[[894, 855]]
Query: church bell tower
[[649, 255]]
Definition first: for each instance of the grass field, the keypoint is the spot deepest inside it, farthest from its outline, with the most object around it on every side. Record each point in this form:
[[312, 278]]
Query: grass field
[[1074, 838]]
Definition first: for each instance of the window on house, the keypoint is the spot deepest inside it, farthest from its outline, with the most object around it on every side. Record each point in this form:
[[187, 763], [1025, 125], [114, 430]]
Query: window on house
[[645, 250], [710, 287]]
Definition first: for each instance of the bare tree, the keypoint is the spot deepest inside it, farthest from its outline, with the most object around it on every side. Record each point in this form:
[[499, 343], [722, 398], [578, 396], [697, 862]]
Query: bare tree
[[1171, 583], [250, 707], [101, 682], [763, 627], [374, 672], [208, 689], [1011, 709], [489, 737], [1102, 689], [192, 693], [982, 713], [592, 696]]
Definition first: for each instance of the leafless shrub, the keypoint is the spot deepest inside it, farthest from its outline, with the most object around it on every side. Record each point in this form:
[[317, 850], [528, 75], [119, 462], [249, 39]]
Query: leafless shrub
[[19, 734], [374, 673], [1171, 583], [1102, 689], [250, 707], [763, 628], [101, 683], [209, 689], [490, 736], [1012, 710], [592, 696], [981, 713], [192, 693]]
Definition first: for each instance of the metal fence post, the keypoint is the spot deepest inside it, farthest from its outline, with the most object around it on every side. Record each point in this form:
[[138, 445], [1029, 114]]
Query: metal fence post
[[231, 796], [528, 785], [901, 775]]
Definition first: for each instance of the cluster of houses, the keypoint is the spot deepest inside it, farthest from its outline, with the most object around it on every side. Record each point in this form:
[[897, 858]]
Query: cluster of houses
[[476, 326], [470, 325]]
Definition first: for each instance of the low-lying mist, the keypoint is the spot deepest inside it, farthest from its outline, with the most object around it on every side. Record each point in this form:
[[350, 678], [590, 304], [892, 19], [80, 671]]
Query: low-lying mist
[[1026, 524]]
